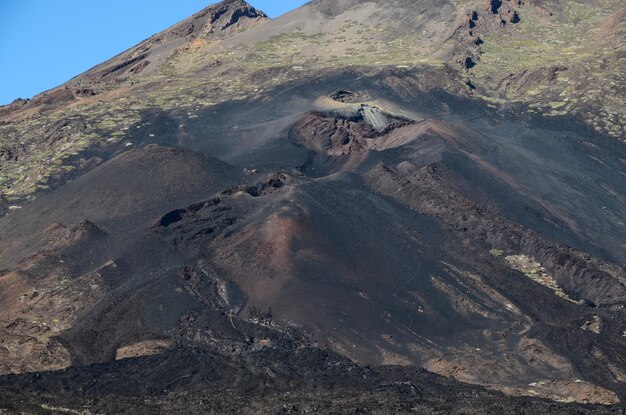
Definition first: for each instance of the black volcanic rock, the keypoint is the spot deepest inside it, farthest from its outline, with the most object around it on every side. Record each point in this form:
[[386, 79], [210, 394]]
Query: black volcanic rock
[[359, 207], [229, 14]]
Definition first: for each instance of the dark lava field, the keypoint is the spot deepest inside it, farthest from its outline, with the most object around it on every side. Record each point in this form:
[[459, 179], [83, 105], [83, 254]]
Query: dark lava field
[[360, 207]]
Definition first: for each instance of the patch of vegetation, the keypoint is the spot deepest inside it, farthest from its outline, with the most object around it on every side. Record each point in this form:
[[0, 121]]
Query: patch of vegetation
[[51, 139], [533, 270], [594, 325], [559, 65]]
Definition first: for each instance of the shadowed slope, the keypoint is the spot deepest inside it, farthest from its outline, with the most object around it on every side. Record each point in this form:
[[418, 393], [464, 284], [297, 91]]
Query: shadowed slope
[[328, 184]]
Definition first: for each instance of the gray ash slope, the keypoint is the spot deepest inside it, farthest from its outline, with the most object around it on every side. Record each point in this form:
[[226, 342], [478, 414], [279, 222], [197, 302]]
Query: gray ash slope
[[316, 247]]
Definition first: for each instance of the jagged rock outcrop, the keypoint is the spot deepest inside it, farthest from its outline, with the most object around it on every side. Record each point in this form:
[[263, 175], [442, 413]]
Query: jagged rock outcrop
[[217, 20]]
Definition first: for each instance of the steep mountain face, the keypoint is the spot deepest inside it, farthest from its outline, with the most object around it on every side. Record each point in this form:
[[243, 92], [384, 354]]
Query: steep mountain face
[[314, 208], [212, 23]]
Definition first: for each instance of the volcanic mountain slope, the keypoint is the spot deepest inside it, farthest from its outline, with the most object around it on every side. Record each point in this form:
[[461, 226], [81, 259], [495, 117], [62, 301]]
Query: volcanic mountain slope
[[313, 208], [547, 58]]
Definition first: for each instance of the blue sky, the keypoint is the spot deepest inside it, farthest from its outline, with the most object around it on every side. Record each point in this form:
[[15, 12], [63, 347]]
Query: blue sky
[[44, 43]]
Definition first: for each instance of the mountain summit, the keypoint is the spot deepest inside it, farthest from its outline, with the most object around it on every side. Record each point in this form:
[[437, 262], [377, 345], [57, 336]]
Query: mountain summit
[[214, 22], [357, 207]]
